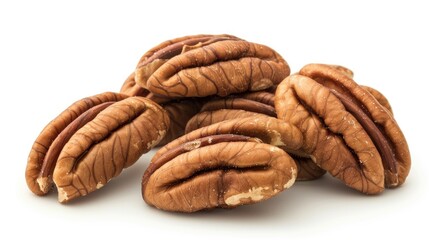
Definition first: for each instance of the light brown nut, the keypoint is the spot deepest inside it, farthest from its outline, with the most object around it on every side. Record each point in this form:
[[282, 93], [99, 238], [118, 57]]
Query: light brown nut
[[376, 120], [204, 65], [345, 128], [270, 130], [179, 113], [251, 104], [307, 169], [379, 97], [239, 103], [131, 88], [341, 69], [264, 97], [217, 171], [349, 73], [235, 106], [207, 118], [91, 142]]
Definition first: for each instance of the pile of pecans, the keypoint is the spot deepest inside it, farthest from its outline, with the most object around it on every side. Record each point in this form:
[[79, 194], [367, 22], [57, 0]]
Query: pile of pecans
[[235, 126]]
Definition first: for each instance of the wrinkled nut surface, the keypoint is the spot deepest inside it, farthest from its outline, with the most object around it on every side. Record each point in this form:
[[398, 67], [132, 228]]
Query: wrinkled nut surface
[[349, 73], [346, 131], [131, 88], [379, 97], [91, 142], [238, 106], [204, 65], [217, 171], [243, 102], [207, 118], [268, 129], [179, 113], [250, 104]]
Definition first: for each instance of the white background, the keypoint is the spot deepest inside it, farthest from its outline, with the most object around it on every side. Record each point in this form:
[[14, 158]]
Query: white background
[[52, 54]]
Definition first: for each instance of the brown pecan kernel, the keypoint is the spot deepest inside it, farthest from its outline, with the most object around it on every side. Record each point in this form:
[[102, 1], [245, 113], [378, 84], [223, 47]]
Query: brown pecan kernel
[[345, 128], [332, 136], [217, 171], [238, 106], [239, 103], [53, 129], [376, 120], [379, 97], [270, 130], [92, 141], [131, 88], [251, 104], [207, 118], [261, 96], [203, 65]]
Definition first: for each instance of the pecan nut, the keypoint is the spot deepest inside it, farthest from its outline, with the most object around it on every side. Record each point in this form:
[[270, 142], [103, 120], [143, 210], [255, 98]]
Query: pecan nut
[[250, 105], [268, 129], [203, 65], [91, 142], [235, 106], [217, 171], [131, 88], [346, 130]]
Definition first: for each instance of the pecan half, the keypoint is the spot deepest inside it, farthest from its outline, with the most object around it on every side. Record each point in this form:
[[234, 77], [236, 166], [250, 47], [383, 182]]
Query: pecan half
[[91, 142], [217, 171], [236, 106], [345, 128], [270, 130], [203, 65], [251, 104]]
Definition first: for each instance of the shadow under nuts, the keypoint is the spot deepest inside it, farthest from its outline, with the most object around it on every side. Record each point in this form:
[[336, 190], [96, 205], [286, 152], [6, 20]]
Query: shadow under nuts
[[91, 142], [217, 171], [204, 65]]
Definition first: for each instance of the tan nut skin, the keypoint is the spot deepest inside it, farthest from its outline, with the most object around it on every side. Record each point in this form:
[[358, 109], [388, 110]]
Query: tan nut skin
[[380, 98], [217, 171], [53, 129], [306, 101], [349, 73], [131, 88], [179, 113], [204, 65], [270, 130], [95, 151], [385, 134], [237, 106], [250, 104]]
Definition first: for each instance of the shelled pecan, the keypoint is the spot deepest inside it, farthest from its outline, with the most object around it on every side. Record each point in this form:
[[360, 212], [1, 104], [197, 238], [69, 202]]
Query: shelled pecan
[[204, 65], [249, 105], [217, 171], [346, 130], [91, 142]]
